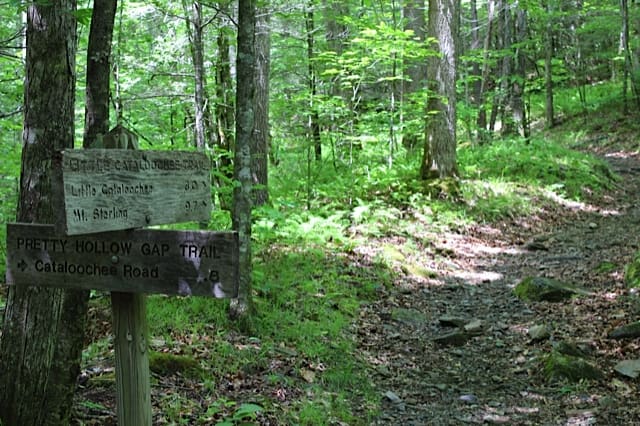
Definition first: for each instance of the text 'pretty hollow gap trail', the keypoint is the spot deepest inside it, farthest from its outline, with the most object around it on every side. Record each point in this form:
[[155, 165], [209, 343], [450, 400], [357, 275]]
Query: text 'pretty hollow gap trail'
[[496, 376]]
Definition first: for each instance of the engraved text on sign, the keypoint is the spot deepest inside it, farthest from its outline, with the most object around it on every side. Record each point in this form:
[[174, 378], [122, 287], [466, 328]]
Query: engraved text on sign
[[188, 263], [109, 190]]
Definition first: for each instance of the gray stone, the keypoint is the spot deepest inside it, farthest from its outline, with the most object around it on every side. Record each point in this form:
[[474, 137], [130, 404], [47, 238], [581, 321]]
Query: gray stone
[[474, 327], [539, 332], [452, 321], [454, 338], [537, 289], [629, 368], [626, 331], [574, 369]]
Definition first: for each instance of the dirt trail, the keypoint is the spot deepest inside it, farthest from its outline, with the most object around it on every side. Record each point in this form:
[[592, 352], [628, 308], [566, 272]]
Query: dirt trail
[[494, 377]]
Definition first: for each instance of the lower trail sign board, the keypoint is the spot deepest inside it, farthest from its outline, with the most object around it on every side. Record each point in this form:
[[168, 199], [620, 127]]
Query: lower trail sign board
[[101, 190], [198, 263]]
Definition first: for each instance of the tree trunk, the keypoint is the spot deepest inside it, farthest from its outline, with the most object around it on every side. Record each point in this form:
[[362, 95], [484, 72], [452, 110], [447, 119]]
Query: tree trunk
[[629, 72], [245, 113], [335, 31], [505, 94], [96, 112], [414, 20], [481, 122], [195, 30], [415, 73], [261, 136], [518, 111], [634, 53], [42, 332], [548, 70], [225, 119], [314, 119], [439, 157], [476, 71]]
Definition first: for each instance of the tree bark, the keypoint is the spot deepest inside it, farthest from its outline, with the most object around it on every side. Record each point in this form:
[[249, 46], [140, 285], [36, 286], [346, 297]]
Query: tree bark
[[629, 73], [503, 99], [414, 20], [96, 112], [203, 120], [261, 136], [241, 307], [225, 120], [415, 73], [518, 110], [314, 118], [548, 70], [335, 32], [42, 332], [481, 122], [439, 156]]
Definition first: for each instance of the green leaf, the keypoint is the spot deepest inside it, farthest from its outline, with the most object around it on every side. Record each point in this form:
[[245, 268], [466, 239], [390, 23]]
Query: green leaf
[[83, 16], [247, 410]]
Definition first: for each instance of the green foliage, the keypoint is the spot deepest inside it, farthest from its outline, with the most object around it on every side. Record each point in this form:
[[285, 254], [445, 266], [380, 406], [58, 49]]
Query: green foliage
[[165, 363], [305, 300], [308, 284], [605, 267], [632, 272], [9, 174], [540, 163], [83, 15], [538, 289], [92, 406], [244, 414], [571, 368]]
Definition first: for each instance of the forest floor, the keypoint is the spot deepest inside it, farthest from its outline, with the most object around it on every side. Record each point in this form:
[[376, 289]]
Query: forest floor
[[497, 377], [466, 275]]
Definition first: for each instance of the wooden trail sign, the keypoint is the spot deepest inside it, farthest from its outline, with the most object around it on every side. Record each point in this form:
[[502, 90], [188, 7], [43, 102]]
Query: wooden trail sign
[[186, 263], [101, 190]]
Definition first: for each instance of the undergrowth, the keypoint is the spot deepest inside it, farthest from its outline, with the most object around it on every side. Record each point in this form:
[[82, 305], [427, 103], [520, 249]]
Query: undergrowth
[[298, 361]]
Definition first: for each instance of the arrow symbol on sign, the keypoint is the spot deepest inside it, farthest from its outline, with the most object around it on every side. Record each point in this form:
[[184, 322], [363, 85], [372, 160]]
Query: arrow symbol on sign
[[22, 265]]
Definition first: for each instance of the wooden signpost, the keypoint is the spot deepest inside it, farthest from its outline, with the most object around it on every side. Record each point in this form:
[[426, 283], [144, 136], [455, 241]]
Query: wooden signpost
[[100, 196], [185, 263], [111, 189]]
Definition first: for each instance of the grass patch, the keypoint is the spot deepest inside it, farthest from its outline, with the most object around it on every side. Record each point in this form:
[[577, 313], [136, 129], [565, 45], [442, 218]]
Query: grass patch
[[299, 346], [537, 163]]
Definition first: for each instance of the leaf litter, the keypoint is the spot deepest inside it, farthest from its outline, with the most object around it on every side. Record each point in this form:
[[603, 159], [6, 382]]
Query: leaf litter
[[496, 376], [492, 374]]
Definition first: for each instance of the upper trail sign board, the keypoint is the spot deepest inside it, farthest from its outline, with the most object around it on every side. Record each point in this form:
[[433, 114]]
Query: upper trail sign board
[[186, 263], [114, 189]]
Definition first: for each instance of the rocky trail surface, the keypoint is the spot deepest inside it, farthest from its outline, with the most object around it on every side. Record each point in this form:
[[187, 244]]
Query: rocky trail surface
[[457, 347]]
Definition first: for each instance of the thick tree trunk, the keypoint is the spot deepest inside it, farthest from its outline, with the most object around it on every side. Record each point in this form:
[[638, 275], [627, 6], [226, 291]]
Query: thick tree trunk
[[439, 157], [42, 332], [261, 136], [245, 113], [96, 112]]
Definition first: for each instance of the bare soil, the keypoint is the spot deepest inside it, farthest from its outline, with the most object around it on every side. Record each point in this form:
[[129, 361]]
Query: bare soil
[[497, 377]]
